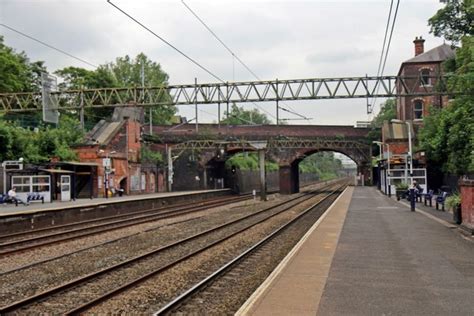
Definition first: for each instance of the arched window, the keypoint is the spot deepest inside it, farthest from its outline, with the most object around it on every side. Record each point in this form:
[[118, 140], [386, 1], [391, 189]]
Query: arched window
[[425, 77], [418, 109]]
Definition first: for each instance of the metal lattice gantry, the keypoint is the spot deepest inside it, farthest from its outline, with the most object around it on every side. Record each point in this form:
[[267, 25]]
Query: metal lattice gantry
[[249, 91]]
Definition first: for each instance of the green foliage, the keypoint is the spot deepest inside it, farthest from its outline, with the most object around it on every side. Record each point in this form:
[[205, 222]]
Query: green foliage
[[17, 73], [388, 111], [124, 72], [401, 186], [248, 161], [240, 116], [323, 164], [454, 21], [448, 134], [453, 201], [148, 155], [39, 145]]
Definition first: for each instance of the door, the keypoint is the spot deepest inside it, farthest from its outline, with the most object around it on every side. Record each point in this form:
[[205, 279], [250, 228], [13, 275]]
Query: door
[[65, 188]]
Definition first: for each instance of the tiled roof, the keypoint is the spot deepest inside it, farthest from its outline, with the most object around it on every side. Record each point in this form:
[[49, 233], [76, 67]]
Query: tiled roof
[[439, 53]]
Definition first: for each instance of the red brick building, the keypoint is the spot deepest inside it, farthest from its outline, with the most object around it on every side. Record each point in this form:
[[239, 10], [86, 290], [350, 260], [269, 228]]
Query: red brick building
[[424, 67], [115, 146]]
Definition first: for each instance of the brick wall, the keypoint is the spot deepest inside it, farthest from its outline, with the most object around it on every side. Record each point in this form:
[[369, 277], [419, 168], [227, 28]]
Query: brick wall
[[467, 204]]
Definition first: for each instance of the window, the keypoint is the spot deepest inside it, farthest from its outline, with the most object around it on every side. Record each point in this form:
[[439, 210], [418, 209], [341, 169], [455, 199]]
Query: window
[[418, 109], [425, 77]]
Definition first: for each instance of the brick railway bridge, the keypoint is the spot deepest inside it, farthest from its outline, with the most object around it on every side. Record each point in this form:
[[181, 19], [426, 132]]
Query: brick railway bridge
[[287, 145]]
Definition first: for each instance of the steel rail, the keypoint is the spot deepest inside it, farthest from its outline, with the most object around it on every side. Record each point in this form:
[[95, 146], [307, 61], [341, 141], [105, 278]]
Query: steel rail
[[44, 240], [76, 282], [118, 290], [223, 269], [105, 218]]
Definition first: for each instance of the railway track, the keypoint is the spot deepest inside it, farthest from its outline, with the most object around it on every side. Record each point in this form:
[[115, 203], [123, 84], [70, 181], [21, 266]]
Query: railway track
[[89, 290], [22, 241], [204, 296]]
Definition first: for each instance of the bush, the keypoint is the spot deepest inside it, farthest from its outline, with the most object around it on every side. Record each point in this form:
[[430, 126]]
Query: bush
[[453, 201], [401, 186]]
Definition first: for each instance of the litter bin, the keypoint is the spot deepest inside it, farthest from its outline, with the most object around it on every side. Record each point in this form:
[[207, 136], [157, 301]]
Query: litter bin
[[457, 215]]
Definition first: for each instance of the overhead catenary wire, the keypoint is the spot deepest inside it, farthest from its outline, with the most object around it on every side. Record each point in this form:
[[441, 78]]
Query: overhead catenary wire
[[234, 56], [166, 42], [220, 41], [48, 45], [381, 67]]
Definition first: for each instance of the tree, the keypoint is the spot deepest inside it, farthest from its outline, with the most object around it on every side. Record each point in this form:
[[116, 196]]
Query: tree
[[324, 164], [240, 116], [453, 21], [447, 134], [388, 111], [40, 144], [17, 73], [124, 72]]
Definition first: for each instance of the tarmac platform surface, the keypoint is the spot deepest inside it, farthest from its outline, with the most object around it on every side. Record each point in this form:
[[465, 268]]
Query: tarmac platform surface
[[371, 255]]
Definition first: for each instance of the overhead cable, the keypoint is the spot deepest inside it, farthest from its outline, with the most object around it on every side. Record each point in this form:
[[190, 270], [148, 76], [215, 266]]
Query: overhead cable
[[382, 69], [165, 41], [233, 55], [48, 45]]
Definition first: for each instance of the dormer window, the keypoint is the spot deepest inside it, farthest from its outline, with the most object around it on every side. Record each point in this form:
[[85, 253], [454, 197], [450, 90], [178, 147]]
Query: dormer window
[[425, 77], [418, 109]]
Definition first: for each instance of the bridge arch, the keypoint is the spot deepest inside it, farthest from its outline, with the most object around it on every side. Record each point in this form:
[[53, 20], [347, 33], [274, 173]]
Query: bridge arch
[[290, 173]]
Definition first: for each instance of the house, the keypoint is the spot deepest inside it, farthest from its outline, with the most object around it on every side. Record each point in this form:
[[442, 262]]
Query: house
[[425, 66], [420, 74]]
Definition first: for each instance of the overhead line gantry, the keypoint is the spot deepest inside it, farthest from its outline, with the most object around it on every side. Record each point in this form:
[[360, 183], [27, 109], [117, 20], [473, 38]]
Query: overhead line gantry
[[228, 92]]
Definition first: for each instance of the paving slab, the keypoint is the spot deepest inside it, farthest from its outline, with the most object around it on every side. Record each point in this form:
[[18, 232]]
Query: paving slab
[[391, 261]]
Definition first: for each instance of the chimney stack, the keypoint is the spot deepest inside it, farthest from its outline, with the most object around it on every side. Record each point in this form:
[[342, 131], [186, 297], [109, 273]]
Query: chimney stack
[[419, 46]]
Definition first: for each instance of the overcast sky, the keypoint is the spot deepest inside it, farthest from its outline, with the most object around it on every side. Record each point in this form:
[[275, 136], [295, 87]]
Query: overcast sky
[[276, 39]]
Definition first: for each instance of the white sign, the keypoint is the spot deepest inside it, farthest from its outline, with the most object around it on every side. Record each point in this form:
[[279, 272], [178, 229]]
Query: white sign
[[106, 162], [50, 102]]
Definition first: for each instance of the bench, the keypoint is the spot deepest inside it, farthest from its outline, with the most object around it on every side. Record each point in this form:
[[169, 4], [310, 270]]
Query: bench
[[34, 197], [428, 197], [4, 199], [440, 199]]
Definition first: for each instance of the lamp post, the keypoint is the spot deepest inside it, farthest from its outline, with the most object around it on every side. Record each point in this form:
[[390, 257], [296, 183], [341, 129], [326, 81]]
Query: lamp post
[[380, 144], [388, 171], [409, 146], [412, 189]]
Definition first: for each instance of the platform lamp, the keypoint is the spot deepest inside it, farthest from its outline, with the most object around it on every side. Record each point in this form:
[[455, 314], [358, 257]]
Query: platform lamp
[[380, 144], [412, 190]]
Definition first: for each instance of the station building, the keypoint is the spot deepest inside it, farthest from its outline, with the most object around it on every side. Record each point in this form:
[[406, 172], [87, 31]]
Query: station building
[[115, 147]]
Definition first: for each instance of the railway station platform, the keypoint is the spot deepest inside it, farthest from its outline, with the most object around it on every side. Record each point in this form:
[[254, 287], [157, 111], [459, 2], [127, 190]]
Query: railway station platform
[[38, 215], [370, 255], [37, 206]]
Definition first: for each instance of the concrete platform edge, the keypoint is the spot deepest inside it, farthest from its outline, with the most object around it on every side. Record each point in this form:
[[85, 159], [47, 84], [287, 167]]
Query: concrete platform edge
[[264, 287]]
